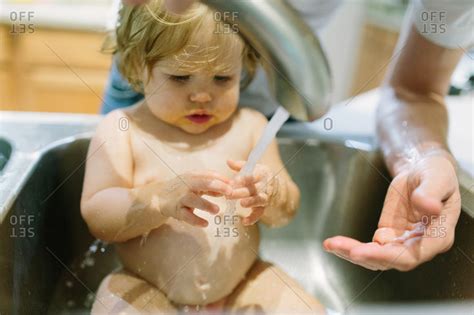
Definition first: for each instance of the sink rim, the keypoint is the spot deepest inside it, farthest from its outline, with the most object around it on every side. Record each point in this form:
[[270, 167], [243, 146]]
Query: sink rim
[[22, 161], [37, 155]]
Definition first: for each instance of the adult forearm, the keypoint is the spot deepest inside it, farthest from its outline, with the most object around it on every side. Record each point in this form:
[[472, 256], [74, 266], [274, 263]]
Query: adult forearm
[[411, 125], [412, 119]]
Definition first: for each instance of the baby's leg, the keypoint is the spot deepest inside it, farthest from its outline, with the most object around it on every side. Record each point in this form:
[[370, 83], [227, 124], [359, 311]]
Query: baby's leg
[[268, 289], [122, 292]]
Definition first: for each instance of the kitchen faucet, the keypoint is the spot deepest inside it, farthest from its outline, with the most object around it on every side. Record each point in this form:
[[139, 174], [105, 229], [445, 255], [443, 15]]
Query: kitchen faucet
[[297, 69]]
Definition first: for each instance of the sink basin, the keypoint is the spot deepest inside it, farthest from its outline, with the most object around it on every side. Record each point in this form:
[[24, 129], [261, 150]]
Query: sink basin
[[5, 152], [49, 263]]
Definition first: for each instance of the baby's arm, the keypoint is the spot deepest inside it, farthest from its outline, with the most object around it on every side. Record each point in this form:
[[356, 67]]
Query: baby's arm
[[113, 209], [285, 194], [116, 211]]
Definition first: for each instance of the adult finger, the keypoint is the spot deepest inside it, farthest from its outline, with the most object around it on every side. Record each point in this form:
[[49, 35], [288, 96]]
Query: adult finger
[[402, 256], [435, 187], [341, 246]]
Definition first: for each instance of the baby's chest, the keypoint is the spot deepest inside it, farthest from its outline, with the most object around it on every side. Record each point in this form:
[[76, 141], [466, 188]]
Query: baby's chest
[[158, 161]]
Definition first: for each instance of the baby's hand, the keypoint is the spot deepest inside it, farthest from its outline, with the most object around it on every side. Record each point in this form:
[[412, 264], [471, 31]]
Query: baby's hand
[[255, 191], [183, 195]]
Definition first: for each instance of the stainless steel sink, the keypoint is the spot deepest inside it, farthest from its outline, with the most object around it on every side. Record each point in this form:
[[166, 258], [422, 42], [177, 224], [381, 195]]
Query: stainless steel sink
[[5, 152], [46, 265]]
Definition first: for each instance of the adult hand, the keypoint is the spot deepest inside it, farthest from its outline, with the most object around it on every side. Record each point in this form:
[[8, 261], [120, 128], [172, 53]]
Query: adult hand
[[423, 199]]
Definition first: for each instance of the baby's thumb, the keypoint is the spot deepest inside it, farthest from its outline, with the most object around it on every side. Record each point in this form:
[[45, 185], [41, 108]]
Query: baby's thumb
[[235, 165]]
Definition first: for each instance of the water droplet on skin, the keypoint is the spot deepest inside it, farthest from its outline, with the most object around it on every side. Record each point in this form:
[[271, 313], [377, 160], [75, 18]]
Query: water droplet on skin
[[144, 238]]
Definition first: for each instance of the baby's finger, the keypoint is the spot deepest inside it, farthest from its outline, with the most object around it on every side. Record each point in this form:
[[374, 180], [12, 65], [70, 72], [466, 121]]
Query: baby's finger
[[194, 201], [242, 181], [186, 214], [247, 191], [235, 165], [212, 185], [215, 175], [257, 212], [240, 193], [259, 200]]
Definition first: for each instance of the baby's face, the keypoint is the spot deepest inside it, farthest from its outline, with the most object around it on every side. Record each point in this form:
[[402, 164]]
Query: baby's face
[[194, 100]]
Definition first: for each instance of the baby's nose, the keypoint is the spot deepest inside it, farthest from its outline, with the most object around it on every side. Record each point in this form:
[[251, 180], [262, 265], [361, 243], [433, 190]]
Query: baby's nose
[[200, 97]]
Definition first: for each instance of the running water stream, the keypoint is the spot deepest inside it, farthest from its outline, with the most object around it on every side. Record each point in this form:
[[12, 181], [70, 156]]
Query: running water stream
[[269, 133]]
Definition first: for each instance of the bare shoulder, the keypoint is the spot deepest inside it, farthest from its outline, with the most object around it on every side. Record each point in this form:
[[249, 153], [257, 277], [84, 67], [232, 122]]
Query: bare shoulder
[[113, 122], [111, 141], [109, 160], [254, 117]]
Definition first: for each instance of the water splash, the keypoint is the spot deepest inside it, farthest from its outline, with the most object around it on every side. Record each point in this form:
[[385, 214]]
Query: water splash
[[144, 238], [417, 231], [269, 133], [89, 260]]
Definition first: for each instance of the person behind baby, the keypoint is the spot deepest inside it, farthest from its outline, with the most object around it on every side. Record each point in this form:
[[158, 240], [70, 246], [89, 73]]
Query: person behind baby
[[158, 175]]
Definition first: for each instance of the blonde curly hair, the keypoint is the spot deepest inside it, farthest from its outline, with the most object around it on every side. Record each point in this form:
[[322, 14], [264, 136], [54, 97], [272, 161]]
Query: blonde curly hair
[[147, 33]]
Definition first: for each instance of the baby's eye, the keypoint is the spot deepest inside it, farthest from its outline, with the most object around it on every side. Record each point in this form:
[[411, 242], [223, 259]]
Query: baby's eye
[[222, 78], [180, 78]]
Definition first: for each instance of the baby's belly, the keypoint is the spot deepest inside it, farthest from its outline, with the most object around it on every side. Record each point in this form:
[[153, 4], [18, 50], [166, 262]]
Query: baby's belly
[[193, 265]]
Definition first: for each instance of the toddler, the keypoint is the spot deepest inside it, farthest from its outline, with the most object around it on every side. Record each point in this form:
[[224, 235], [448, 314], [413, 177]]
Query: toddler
[[159, 173]]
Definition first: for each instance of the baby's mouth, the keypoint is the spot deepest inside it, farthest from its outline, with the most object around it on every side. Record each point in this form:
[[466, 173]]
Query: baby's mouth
[[200, 118]]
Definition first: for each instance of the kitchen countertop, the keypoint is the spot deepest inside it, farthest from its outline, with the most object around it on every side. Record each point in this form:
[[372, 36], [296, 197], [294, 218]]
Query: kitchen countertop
[[76, 16]]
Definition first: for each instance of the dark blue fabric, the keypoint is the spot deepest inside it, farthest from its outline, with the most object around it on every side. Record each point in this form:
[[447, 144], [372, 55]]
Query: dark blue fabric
[[118, 92]]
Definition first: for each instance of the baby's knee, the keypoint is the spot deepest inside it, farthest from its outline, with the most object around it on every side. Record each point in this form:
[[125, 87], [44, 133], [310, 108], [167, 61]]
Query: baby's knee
[[124, 293]]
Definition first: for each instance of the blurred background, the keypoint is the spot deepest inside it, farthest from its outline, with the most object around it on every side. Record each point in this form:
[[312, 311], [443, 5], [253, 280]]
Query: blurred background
[[50, 57]]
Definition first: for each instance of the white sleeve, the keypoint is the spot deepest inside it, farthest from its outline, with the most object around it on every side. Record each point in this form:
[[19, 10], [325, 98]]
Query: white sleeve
[[446, 23], [316, 13]]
